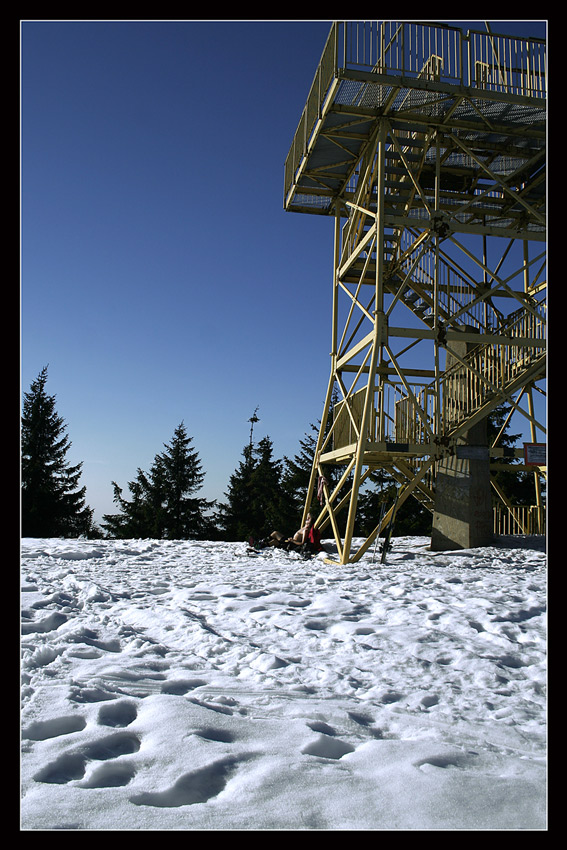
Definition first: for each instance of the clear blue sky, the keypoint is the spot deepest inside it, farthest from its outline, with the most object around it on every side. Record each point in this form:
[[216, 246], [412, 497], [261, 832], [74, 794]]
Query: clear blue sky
[[161, 280]]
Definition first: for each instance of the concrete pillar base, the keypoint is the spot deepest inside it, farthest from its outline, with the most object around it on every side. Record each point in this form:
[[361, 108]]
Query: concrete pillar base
[[463, 505], [463, 508]]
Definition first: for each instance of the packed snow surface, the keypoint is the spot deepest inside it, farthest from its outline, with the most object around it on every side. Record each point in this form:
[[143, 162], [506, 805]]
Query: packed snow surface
[[182, 685]]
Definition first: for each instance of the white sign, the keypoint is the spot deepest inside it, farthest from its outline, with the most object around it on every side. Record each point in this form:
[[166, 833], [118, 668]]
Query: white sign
[[535, 454]]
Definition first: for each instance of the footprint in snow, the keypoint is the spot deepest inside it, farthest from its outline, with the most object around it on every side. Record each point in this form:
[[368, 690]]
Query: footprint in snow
[[69, 767], [446, 761], [361, 719], [324, 728], [195, 787], [41, 730], [316, 625], [211, 733], [118, 714], [389, 697], [367, 722], [114, 775], [429, 700], [118, 744], [66, 768]]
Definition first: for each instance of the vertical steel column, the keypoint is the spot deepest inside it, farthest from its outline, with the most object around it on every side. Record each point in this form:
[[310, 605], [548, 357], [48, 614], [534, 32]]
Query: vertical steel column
[[379, 336], [328, 398], [437, 293]]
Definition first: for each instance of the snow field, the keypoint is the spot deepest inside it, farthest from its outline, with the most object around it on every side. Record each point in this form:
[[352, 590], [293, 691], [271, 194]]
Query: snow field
[[188, 685]]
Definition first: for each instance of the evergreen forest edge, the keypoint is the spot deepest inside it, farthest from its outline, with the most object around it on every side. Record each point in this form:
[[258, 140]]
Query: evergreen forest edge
[[264, 493]]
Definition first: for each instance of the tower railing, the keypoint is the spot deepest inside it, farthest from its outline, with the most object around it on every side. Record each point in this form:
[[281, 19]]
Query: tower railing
[[489, 370], [434, 51], [430, 54]]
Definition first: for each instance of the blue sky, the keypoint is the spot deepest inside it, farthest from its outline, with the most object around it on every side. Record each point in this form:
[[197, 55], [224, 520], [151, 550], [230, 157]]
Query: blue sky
[[161, 280]]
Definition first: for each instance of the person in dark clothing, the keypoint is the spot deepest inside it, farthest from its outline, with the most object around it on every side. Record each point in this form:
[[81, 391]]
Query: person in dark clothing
[[306, 539]]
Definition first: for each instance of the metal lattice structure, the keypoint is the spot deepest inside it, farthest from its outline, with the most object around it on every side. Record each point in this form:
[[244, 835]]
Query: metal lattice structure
[[427, 146]]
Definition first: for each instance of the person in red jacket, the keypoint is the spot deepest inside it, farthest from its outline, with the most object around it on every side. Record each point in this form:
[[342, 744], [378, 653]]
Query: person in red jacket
[[308, 537]]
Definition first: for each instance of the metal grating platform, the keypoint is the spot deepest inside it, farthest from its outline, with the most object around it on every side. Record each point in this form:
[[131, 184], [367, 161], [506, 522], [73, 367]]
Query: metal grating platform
[[503, 128]]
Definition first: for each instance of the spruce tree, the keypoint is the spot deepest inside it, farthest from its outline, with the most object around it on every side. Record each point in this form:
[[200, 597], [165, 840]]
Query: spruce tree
[[257, 503], [53, 504], [297, 471], [234, 517], [176, 477], [136, 518], [271, 509], [164, 504]]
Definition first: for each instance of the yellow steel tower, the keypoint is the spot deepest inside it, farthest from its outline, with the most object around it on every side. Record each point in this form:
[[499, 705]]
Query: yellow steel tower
[[427, 145]]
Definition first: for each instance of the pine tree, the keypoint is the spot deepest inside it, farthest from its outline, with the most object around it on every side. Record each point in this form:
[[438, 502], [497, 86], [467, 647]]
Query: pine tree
[[297, 471], [257, 503], [381, 490], [176, 476], [53, 504], [234, 517], [136, 518], [271, 508], [163, 503]]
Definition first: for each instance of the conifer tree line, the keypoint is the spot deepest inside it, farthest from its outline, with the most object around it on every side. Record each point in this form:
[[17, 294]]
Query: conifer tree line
[[52, 502], [264, 493]]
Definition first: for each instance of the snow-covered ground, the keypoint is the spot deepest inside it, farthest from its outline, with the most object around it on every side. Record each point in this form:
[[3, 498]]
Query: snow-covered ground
[[190, 686]]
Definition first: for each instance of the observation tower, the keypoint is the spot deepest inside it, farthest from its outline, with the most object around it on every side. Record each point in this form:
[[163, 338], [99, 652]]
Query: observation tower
[[426, 146]]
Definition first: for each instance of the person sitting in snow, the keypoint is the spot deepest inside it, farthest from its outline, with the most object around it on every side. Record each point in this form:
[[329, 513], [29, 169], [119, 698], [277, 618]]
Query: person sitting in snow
[[307, 539]]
